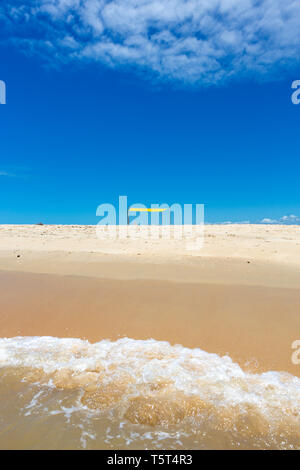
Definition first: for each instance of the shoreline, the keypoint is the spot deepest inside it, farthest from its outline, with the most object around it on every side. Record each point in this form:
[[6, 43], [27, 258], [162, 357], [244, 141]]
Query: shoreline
[[232, 297], [254, 326], [96, 326]]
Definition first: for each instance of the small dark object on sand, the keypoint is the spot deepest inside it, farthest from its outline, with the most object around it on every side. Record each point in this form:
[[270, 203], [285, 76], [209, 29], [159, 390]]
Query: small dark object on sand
[[18, 256], [40, 223]]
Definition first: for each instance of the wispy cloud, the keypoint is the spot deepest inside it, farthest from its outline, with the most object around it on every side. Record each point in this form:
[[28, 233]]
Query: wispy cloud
[[191, 41], [285, 220], [6, 173], [229, 222]]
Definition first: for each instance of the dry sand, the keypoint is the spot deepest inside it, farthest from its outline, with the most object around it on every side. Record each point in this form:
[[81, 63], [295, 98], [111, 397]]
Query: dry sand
[[239, 295], [232, 254]]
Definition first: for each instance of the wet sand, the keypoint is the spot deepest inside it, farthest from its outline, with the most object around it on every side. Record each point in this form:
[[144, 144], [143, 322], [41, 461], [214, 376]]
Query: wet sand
[[254, 325], [237, 298]]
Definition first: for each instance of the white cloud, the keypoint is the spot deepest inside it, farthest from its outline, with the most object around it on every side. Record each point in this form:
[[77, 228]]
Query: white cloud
[[290, 218], [191, 41], [285, 220], [5, 173], [240, 222], [269, 221]]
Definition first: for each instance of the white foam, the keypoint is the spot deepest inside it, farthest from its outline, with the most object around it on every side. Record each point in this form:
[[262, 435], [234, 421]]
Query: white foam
[[192, 371]]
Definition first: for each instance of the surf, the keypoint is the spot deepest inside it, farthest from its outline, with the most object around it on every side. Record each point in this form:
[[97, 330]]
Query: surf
[[158, 387]]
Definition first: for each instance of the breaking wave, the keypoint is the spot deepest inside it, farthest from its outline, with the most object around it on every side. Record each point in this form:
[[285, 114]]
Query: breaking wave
[[158, 386]]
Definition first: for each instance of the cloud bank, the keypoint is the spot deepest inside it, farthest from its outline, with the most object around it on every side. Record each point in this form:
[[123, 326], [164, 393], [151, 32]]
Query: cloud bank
[[187, 41], [285, 220]]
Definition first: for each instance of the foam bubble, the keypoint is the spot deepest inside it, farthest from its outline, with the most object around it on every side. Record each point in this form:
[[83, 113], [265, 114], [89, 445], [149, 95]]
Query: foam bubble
[[153, 383]]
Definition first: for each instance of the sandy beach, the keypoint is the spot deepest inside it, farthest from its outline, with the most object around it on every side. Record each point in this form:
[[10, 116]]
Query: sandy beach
[[265, 255], [238, 297], [150, 227], [241, 286]]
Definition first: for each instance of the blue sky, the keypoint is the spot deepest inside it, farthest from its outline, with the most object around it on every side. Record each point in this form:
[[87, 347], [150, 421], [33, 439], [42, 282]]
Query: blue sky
[[161, 109]]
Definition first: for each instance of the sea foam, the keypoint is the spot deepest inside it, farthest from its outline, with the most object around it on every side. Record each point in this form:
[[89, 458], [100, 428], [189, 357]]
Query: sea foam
[[152, 383]]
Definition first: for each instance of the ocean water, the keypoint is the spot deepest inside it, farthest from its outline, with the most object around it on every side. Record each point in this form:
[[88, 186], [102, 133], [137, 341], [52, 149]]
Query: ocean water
[[66, 393]]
